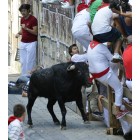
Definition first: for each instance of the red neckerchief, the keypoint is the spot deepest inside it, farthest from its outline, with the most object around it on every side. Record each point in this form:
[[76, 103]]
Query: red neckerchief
[[12, 118], [103, 5], [93, 44]]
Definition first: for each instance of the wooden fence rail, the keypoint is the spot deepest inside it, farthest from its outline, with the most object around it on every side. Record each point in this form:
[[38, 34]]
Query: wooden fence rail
[[108, 104]]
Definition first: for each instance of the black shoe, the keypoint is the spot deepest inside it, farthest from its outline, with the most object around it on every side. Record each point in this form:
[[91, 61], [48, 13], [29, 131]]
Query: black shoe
[[120, 131], [128, 136], [98, 115]]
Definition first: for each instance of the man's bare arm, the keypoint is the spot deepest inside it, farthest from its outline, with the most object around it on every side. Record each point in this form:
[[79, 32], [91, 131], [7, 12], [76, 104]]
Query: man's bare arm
[[33, 31]]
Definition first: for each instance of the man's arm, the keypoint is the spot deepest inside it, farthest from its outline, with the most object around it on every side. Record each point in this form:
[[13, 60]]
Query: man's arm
[[125, 14], [79, 58], [89, 25], [19, 33], [33, 31]]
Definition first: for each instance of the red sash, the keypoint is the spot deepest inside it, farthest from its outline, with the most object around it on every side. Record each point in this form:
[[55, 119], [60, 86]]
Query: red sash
[[98, 75]]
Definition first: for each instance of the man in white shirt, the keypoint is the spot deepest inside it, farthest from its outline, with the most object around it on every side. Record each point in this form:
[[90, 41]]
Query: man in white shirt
[[104, 32], [75, 56], [81, 28], [100, 66], [15, 123]]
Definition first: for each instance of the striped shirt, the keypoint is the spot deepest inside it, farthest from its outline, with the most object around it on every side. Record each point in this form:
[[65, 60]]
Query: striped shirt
[[15, 130]]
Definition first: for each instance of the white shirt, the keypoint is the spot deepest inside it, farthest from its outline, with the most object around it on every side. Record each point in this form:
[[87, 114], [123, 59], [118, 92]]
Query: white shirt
[[81, 21], [15, 130], [98, 58], [130, 2], [79, 58], [102, 21]]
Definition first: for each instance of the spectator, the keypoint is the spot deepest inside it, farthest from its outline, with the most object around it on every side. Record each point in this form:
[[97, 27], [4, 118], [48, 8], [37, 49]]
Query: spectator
[[95, 99], [99, 60], [64, 3], [75, 56], [127, 61], [104, 32], [49, 1], [28, 44], [125, 19], [67, 4], [81, 34], [81, 31], [93, 6], [95, 104], [70, 3], [26, 81], [15, 123]]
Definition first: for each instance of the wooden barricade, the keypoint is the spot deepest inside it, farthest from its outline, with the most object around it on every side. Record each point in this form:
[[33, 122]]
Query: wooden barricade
[[108, 103]]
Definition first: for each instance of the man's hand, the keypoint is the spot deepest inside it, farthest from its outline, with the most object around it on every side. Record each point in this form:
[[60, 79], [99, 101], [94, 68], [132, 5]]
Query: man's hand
[[17, 35], [115, 11], [24, 27]]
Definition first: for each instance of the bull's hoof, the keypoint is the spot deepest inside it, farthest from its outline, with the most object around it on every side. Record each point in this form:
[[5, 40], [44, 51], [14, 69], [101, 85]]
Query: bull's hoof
[[57, 123], [111, 131], [30, 126], [63, 127]]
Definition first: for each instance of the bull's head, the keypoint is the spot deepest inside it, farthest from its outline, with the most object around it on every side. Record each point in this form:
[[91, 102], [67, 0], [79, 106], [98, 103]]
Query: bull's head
[[82, 72]]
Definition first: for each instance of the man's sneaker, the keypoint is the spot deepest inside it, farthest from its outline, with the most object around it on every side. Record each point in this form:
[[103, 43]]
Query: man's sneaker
[[120, 114], [98, 115], [126, 100], [66, 5], [116, 58]]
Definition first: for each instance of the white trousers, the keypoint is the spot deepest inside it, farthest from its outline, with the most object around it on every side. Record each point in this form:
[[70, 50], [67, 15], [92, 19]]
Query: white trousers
[[83, 38], [112, 80], [27, 56]]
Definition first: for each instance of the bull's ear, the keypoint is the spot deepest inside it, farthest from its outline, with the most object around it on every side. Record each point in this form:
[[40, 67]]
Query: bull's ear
[[71, 67]]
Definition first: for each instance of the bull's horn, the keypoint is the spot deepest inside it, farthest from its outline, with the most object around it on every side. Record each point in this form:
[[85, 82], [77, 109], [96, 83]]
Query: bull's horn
[[72, 67]]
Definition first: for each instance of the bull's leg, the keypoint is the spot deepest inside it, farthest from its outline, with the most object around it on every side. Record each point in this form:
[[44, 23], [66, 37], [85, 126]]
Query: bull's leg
[[29, 106], [79, 103], [63, 111], [50, 109]]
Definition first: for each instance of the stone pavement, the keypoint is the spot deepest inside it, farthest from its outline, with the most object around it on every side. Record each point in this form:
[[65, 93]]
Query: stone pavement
[[44, 128]]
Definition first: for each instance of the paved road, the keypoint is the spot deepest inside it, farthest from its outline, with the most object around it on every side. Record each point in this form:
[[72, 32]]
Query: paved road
[[44, 129]]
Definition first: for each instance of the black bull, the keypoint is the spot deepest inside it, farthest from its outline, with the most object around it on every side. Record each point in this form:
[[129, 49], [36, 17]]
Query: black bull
[[62, 83]]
